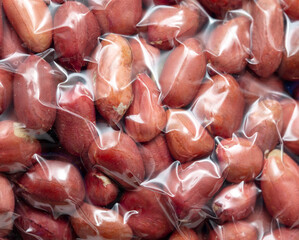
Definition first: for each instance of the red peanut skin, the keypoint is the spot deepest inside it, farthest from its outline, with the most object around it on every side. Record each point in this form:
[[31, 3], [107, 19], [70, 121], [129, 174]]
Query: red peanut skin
[[7, 196], [186, 138], [283, 234], [291, 8], [182, 74], [220, 105], [11, 48], [239, 159], [235, 202], [7, 206], [228, 45], [150, 222], [76, 118], [145, 56], [280, 189], [263, 122], [254, 88], [146, 117], [156, 156], [90, 222], [190, 187], [117, 16], [58, 1], [267, 36], [147, 3], [220, 7], [44, 187], [16, 147], [1, 25], [290, 112], [261, 219], [6, 226], [117, 155], [234, 231], [35, 94], [55, 152], [83, 33], [166, 2], [100, 190], [289, 67], [5, 90], [110, 71], [93, 31], [185, 234], [165, 28], [32, 21], [33, 223]]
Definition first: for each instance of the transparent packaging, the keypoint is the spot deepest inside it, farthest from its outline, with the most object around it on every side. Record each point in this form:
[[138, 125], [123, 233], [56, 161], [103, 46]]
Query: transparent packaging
[[149, 119]]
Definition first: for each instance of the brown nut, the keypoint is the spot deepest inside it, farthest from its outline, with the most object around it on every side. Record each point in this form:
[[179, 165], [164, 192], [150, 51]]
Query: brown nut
[[146, 117], [35, 94], [186, 138], [17, 147], [267, 36], [290, 112], [7, 206], [110, 71], [239, 159], [185, 234], [220, 7], [35, 224], [82, 31], [254, 88], [90, 222], [32, 21], [220, 105], [76, 117], [53, 186], [190, 186], [169, 25], [166, 2], [263, 123], [147, 3], [156, 156], [261, 219], [117, 155], [283, 234], [1, 25], [149, 220], [291, 8], [12, 50], [5, 90], [235, 202], [280, 189], [145, 56], [228, 45], [100, 190], [234, 231], [117, 16], [182, 74], [56, 1], [289, 67]]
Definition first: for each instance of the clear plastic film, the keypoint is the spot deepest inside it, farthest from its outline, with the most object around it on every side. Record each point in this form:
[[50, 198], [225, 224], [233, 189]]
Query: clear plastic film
[[149, 119]]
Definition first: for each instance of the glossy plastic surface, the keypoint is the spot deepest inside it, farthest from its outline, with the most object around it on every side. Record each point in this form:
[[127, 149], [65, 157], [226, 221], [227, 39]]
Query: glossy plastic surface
[[149, 119]]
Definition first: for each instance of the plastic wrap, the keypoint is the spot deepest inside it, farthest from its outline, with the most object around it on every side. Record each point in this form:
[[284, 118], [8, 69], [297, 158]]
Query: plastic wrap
[[153, 119]]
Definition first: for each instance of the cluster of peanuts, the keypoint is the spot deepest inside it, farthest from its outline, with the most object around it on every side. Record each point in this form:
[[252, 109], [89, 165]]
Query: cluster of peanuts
[[149, 119]]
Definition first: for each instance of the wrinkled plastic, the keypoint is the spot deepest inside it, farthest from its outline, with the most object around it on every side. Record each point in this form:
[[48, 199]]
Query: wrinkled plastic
[[149, 119]]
